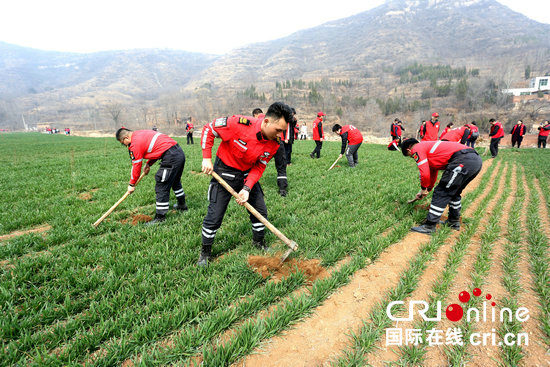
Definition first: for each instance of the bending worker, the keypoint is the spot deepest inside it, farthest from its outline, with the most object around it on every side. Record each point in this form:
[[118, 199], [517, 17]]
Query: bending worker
[[461, 165], [351, 134], [152, 145]]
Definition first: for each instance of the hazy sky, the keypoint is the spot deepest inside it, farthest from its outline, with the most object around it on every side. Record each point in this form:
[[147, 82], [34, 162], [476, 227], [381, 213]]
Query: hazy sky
[[210, 26]]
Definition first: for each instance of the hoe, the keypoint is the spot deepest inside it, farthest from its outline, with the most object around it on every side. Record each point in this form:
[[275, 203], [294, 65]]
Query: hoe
[[293, 246]]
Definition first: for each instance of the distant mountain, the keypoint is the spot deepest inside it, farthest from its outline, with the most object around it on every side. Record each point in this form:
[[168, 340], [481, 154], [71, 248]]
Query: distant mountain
[[455, 32], [367, 48], [134, 73]]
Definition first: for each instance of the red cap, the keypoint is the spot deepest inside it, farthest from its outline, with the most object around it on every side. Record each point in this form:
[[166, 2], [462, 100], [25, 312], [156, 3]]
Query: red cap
[[435, 114], [319, 114]]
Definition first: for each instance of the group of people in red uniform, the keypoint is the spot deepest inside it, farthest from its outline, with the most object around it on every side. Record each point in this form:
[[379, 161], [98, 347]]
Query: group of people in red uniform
[[249, 143]]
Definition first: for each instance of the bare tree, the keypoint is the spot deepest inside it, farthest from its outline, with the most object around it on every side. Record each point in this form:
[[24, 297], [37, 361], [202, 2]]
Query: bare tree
[[115, 109]]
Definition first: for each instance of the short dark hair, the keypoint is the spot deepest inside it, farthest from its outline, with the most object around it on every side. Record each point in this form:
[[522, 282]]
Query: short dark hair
[[121, 133], [473, 122], [450, 124], [278, 110], [293, 110], [396, 119], [257, 111], [492, 120], [406, 144], [336, 127]]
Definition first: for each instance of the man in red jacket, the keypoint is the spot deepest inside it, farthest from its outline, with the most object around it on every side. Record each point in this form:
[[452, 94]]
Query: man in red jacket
[[152, 145], [461, 165], [351, 134], [474, 134], [318, 135], [544, 131], [430, 130], [459, 135], [189, 130], [247, 145], [496, 134], [517, 133], [396, 130]]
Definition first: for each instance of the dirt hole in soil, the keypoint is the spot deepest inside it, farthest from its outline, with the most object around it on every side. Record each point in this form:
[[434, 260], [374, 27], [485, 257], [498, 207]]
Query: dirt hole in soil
[[136, 219], [271, 266], [87, 195]]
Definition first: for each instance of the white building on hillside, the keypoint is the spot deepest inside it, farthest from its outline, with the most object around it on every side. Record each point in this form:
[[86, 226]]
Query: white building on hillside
[[540, 83]]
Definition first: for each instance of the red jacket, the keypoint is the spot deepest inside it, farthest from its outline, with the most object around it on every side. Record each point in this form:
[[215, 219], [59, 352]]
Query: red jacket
[[473, 129], [433, 156], [189, 126], [318, 133], [459, 135], [544, 130], [351, 134], [431, 130], [396, 130], [243, 146], [497, 131], [147, 144], [518, 129]]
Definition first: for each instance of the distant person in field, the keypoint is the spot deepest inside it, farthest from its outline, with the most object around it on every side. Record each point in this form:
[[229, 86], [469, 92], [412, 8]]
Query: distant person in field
[[189, 128], [246, 148], [352, 138], [430, 129], [496, 134], [288, 137], [459, 135], [460, 164], [152, 145], [303, 132], [280, 159], [517, 133], [447, 128], [474, 134], [544, 131], [420, 132], [318, 135], [396, 130]]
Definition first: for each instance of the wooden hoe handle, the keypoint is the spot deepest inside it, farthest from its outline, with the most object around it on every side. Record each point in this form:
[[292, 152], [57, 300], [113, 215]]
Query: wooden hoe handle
[[254, 212], [97, 222]]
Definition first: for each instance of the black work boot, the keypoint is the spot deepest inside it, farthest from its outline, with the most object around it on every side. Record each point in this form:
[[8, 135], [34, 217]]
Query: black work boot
[[159, 218], [426, 228], [260, 244], [453, 224], [181, 205], [312, 155], [282, 192], [205, 256]]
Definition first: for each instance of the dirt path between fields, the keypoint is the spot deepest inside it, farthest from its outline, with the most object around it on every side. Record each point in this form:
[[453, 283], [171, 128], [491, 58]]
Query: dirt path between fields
[[431, 276], [322, 336], [40, 229]]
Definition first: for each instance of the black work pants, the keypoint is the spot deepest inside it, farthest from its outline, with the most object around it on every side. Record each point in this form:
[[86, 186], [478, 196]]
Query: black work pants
[[318, 147], [541, 143], [168, 177], [493, 147], [280, 165], [462, 168], [288, 150], [471, 142], [351, 154], [219, 198], [190, 137], [516, 140]]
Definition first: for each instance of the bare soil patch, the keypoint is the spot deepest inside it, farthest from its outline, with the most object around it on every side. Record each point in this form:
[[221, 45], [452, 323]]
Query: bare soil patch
[[87, 195], [135, 219], [40, 229], [268, 266]]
